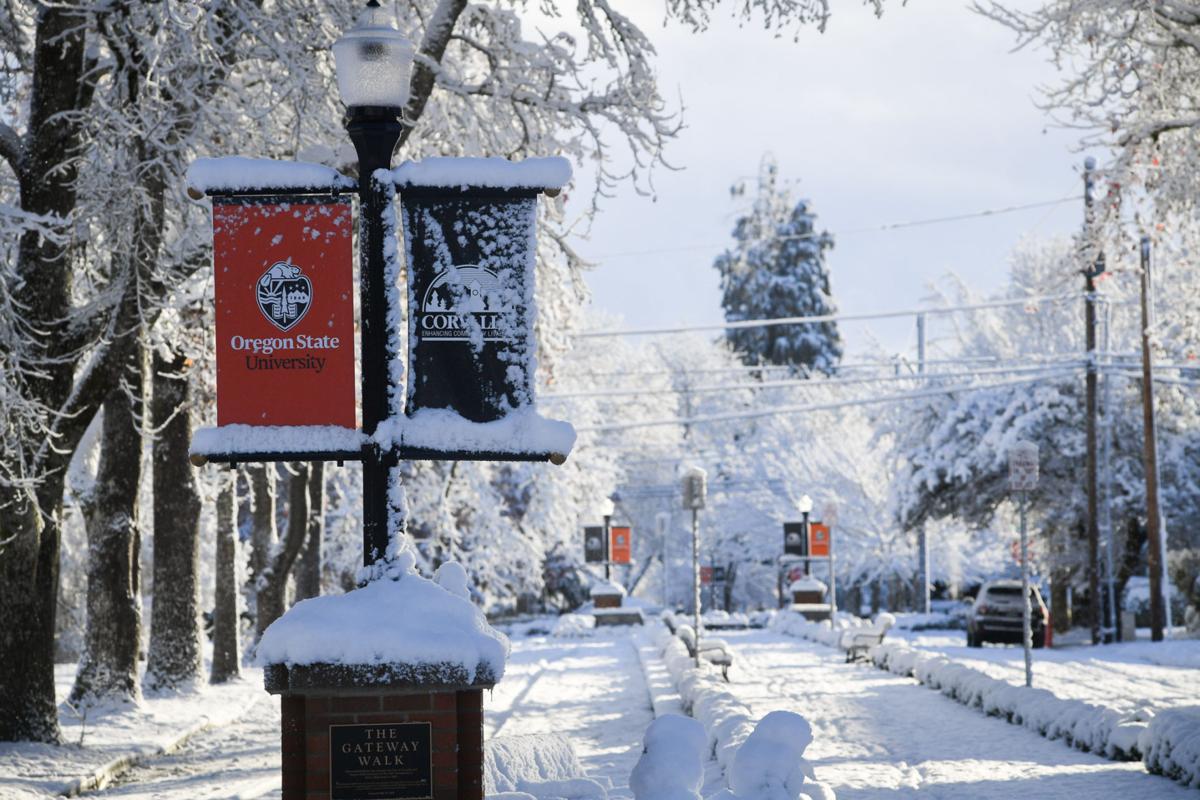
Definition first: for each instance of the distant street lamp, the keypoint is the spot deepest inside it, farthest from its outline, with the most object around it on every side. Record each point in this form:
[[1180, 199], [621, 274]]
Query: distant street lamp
[[373, 62], [805, 506], [608, 507]]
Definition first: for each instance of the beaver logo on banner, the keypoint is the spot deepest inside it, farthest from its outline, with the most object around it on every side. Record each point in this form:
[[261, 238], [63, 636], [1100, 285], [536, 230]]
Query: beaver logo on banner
[[470, 258], [284, 295]]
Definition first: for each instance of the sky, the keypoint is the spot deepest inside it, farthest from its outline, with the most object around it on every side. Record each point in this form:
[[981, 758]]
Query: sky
[[925, 112]]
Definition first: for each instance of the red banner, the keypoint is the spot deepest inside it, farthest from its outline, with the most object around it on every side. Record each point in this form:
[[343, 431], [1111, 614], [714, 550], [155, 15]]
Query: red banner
[[706, 576], [285, 311], [818, 540], [621, 550]]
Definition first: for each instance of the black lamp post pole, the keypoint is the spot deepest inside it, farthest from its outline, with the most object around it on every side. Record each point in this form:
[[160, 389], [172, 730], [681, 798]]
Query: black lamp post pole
[[807, 543], [374, 130]]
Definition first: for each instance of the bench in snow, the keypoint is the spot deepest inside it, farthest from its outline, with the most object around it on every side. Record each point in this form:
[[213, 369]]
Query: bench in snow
[[714, 651], [857, 642], [540, 766]]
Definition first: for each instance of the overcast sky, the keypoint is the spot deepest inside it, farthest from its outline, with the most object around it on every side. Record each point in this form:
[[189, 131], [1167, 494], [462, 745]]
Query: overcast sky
[[923, 113]]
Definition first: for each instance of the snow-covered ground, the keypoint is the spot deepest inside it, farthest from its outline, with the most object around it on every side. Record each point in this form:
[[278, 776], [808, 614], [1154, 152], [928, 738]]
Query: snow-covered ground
[[877, 735], [590, 689], [1121, 676]]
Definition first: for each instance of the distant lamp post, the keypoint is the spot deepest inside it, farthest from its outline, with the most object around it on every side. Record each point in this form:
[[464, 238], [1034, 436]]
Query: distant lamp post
[[1023, 479], [805, 506], [373, 62], [608, 507]]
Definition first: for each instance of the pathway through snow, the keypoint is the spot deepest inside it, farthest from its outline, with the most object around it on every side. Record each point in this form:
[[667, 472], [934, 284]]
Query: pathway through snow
[[877, 735]]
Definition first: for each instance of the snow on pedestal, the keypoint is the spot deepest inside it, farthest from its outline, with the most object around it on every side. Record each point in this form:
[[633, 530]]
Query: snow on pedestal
[[607, 594], [406, 654]]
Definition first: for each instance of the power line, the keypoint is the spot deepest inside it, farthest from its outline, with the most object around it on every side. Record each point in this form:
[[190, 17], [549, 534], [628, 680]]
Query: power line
[[884, 228], [799, 409], [764, 323]]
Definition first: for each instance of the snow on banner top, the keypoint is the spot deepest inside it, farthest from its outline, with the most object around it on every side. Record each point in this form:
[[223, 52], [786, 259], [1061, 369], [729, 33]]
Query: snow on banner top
[[231, 439], [241, 174], [494, 173], [522, 430], [379, 624]]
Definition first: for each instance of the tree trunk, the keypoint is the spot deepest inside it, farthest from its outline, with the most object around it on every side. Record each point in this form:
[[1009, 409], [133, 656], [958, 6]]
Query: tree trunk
[[308, 569], [226, 661], [1060, 608], [112, 639], [272, 584], [262, 527], [175, 656]]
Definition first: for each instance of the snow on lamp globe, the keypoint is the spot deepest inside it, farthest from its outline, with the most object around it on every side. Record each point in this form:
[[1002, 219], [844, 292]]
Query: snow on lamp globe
[[373, 61], [804, 505]]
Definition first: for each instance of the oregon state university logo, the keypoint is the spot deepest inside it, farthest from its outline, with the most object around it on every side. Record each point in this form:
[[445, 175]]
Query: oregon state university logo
[[460, 302], [284, 295]]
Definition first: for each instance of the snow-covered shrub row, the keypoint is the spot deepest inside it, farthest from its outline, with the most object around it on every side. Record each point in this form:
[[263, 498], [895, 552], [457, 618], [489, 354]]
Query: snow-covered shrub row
[[729, 726], [1088, 727], [541, 766], [671, 766], [1170, 744], [825, 632]]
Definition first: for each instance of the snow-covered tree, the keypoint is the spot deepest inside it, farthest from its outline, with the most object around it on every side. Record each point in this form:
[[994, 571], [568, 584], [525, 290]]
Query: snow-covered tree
[[776, 268]]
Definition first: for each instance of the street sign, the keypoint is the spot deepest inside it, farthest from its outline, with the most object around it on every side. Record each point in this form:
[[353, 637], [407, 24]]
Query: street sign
[[695, 488], [470, 256], [793, 539], [593, 544], [1023, 467], [284, 291], [622, 544], [818, 540]]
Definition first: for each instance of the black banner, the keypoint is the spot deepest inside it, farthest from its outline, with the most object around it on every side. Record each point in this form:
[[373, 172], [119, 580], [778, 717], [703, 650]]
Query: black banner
[[381, 760], [470, 290], [795, 543], [718, 574], [593, 544]]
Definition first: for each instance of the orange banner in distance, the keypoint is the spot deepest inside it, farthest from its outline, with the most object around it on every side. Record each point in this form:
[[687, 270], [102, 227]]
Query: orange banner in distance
[[621, 551], [818, 539]]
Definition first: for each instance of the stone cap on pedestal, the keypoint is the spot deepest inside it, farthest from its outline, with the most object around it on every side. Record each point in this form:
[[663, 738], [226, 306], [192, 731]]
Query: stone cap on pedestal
[[334, 679]]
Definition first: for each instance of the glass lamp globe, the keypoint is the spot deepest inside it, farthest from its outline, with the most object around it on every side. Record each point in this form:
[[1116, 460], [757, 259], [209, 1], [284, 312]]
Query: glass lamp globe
[[373, 61], [805, 505], [607, 507]]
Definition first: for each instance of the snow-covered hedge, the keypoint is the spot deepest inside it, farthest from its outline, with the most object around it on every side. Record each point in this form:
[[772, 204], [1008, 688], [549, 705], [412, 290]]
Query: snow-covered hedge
[[542, 766], [1088, 727], [729, 725], [825, 632], [672, 763], [1170, 744]]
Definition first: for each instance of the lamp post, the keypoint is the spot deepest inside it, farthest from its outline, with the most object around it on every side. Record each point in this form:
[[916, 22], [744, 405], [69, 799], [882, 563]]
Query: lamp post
[[608, 509], [805, 506], [373, 61]]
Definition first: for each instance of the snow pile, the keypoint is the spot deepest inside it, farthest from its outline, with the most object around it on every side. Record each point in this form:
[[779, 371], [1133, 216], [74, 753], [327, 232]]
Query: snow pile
[[244, 439], [573, 625], [1088, 727], [410, 621], [770, 764], [494, 173], [603, 588], [1170, 744], [541, 766], [723, 619], [727, 721], [240, 174], [522, 430], [672, 762]]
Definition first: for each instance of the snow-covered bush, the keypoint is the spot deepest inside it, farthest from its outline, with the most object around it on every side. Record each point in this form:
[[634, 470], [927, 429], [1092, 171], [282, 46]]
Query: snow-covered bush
[[1170, 744], [672, 763], [569, 625], [542, 766]]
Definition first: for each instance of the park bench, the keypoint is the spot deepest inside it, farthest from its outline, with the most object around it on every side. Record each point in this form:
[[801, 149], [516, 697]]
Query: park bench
[[714, 651], [857, 642]]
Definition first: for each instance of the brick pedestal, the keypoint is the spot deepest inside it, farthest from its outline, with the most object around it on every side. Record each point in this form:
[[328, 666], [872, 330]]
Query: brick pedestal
[[808, 597], [453, 712], [607, 600]]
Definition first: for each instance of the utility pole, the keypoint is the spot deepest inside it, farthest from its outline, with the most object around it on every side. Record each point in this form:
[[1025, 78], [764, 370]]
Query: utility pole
[[1093, 268], [922, 536], [1155, 548], [1110, 586]]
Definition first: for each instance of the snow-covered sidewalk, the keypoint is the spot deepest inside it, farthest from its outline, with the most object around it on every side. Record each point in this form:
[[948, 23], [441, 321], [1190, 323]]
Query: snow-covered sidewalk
[[103, 744], [879, 735], [591, 690]]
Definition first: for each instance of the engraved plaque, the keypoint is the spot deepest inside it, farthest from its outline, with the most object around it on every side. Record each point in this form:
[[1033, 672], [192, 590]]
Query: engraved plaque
[[382, 761]]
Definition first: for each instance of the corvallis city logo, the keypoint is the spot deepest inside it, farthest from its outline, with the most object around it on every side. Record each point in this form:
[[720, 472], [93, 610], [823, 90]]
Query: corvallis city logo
[[460, 301], [284, 295]]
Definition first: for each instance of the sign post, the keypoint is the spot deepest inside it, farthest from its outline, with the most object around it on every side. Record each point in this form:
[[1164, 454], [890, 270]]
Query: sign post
[[1022, 479], [695, 490]]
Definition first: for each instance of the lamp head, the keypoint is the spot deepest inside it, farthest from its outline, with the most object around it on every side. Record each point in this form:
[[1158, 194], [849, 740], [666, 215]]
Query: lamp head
[[805, 504], [373, 61]]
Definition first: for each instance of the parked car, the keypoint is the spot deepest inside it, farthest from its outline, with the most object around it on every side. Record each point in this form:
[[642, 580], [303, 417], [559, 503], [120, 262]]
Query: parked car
[[995, 616]]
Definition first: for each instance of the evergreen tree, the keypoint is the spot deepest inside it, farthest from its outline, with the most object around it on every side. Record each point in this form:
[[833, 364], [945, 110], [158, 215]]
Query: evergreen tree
[[776, 268]]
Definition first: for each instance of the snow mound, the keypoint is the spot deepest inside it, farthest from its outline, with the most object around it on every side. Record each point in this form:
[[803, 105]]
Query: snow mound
[[541, 766], [570, 625], [494, 173], [808, 584], [603, 588], [410, 621], [770, 764], [522, 430], [672, 763], [241, 174], [1170, 744], [453, 578]]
